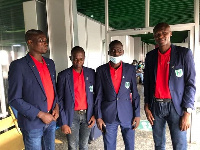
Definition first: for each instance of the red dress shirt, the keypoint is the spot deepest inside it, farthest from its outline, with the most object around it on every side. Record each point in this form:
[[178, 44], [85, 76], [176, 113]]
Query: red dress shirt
[[79, 91], [46, 81], [162, 78], [116, 76]]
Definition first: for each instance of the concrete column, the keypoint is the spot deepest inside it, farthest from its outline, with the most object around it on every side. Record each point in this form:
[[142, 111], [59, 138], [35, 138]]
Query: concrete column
[[196, 48], [107, 36], [137, 48], [62, 30], [57, 33], [3, 111], [35, 15], [132, 56], [147, 10], [194, 129]]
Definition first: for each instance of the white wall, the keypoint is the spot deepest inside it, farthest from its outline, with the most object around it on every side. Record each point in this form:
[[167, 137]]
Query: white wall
[[94, 47], [82, 33], [91, 37], [132, 56], [138, 49]]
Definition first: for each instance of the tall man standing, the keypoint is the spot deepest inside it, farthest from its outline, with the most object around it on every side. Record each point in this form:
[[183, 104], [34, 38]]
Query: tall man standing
[[32, 93], [115, 81], [169, 89]]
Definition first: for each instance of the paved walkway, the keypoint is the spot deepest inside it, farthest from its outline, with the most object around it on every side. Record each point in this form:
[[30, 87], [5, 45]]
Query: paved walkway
[[143, 137]]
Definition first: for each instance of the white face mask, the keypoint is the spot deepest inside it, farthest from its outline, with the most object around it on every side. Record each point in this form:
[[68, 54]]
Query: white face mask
[[116, 60]]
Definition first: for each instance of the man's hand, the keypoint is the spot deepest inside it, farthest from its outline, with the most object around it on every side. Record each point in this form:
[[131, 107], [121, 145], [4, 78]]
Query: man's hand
[[91, 122], [66, 129], [185, 121], [100, 122], [148, 113], [55, 112], [45, 117], [136, 122]]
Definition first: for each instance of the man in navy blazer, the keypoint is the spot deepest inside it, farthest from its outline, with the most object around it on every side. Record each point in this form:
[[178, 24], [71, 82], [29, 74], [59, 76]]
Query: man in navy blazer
[[76, 98], [169, 89], [115, 82], [32, 93]]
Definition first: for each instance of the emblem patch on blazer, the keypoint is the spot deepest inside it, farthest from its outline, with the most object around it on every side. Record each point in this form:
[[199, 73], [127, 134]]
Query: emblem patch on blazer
[[179, 72], [91, 88], [127, 85]]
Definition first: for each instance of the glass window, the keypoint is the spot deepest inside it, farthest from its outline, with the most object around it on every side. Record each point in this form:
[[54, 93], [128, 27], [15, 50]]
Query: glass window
[[12, 44]]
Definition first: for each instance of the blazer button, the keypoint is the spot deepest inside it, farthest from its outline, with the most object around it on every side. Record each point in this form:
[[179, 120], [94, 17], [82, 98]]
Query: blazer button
[[117, 98]]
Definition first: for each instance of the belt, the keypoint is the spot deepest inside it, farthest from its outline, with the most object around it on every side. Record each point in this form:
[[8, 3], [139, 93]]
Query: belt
[[81, 112], [163, 100]]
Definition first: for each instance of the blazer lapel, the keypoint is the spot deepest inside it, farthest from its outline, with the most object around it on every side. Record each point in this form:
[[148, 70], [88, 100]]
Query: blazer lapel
[[51, 71], [71, 82], [172, 59], [108, 76], [155, 63], [123, 80], [86, 78], [35, 71]]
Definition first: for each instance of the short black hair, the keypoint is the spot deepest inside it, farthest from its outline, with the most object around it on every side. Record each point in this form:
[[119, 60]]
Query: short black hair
[[115, 42], [135, 61], [160, 25], [77, 49], [32, 33]]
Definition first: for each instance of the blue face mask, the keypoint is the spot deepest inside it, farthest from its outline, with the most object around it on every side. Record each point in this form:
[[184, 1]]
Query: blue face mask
[[116, 60]]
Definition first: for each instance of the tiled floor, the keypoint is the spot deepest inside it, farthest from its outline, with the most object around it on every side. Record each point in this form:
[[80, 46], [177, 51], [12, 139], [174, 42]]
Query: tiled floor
[[143, 139]]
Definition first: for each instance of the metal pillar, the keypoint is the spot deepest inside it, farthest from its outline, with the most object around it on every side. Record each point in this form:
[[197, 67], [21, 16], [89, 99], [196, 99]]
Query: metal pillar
[[147, 4], [107, 36]]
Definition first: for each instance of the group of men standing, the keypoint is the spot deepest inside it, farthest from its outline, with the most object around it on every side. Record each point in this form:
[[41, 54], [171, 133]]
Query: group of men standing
[[108, 97]]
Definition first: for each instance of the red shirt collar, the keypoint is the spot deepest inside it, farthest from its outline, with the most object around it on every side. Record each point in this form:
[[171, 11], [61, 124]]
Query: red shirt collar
[[120, 67], [37, 63], [76, 73], [166, 53]]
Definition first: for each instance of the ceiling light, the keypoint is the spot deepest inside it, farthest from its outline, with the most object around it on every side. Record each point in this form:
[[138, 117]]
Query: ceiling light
[[16, 45]]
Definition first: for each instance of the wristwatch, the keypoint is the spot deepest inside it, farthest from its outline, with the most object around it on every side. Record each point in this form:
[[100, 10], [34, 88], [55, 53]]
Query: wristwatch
[[188, 110]]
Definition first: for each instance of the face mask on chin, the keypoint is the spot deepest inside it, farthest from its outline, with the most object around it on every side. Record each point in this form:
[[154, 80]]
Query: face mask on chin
[[116, 60]]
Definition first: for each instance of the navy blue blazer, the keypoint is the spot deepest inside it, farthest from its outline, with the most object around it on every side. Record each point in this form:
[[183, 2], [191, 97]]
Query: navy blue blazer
[[181, 77], [108, 103], [26, 92], [65, 90]]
